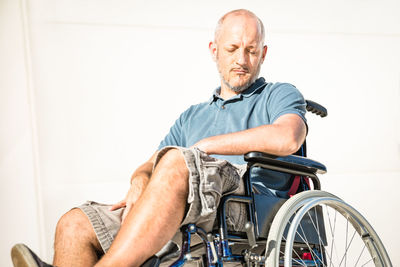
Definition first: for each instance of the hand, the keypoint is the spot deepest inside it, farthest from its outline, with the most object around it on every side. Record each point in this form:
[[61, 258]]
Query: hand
[[137, 187], [201, 145]]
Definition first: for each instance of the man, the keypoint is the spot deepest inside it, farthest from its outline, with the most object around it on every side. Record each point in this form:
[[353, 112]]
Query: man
[[181, 183]]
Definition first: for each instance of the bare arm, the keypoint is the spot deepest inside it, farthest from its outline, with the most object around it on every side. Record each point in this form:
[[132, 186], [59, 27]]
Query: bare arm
[[144, 171], [283, 137], [139, 181]]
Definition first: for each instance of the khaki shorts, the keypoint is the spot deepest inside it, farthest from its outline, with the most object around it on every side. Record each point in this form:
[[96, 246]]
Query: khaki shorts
[[209, 179]]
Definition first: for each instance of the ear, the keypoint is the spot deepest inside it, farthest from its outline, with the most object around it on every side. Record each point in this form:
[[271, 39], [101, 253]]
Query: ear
[[213, 50], [264, 52]]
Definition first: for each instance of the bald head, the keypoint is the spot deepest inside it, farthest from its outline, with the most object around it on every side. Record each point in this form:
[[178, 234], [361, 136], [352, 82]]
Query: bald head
[[239, 50], [246, 15]]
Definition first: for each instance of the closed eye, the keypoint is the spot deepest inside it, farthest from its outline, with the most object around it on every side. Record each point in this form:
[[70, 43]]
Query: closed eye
[[231, 49]]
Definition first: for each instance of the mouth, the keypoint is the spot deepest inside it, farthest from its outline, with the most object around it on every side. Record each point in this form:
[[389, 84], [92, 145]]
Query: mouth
[[240, 71]]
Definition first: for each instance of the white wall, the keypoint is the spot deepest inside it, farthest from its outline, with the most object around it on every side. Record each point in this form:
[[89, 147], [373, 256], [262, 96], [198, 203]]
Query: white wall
[[19, 192], [88, 89]]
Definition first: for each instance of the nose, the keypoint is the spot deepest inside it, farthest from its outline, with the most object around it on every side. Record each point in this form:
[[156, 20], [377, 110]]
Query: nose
[[241, 58]]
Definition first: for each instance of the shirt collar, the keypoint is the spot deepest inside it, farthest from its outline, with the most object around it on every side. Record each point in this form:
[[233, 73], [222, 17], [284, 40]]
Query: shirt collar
[[259, 83]]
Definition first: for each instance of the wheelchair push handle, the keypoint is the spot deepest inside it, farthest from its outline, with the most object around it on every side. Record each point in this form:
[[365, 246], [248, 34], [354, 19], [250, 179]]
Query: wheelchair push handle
[[316, 108]]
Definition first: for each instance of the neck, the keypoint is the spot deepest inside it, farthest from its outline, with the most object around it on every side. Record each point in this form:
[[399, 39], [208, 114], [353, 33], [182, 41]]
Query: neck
[[226, 92]]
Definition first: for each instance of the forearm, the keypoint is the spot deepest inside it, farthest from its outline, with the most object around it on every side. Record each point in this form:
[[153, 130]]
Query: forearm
[[142, 174], [139, 180], [281, 138]]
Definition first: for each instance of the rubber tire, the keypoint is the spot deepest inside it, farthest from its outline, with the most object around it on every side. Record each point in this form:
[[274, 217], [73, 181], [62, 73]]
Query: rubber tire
[[294, 204]]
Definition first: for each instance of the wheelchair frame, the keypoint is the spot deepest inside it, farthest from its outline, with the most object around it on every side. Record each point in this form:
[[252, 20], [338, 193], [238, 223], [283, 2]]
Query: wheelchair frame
[[279, 247]]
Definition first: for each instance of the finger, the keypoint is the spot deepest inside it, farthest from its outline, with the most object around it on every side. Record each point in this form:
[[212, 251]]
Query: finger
[[127, 209], [118, 205]]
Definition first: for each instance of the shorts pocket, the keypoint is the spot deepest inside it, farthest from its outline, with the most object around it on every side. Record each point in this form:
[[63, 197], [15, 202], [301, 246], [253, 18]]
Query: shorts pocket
[[210, 188], [230, 178]]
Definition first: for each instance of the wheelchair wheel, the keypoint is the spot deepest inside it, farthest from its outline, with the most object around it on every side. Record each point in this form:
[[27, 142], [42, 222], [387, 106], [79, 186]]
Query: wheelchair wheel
[[339, 235]]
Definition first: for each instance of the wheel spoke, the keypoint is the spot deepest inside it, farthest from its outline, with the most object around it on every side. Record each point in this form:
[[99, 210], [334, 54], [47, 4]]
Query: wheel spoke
[[319, 236], [282, 252], [367, 262], [284, 239], [347, 249], [298, 262], [308, 244], [333, 244], [359, 257], [318, 229]]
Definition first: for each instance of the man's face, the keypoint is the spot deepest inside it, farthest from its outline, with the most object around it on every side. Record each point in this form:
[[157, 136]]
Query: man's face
[[238, 52]]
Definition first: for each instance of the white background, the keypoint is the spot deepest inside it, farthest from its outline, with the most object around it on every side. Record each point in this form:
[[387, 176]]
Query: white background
[[88, 88]]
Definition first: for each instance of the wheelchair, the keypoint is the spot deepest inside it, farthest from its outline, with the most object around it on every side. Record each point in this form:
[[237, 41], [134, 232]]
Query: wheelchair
[[291, 222]]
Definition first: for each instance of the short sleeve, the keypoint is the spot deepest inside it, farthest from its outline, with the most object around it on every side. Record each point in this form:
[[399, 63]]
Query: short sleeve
[[177, 133], [285, 99], [173, 138]]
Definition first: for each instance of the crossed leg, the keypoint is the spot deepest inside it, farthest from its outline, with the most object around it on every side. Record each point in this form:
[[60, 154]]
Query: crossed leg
[[153, 220], [155, 217], [75, 243]]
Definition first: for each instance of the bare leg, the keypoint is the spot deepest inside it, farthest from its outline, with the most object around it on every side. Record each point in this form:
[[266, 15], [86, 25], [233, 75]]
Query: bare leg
[[75, 243], [156, 216]]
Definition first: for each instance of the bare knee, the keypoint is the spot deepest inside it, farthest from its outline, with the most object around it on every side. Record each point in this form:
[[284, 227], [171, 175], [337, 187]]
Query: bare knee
[[173, 161], [74, 222], [74, 226], [171, 171]]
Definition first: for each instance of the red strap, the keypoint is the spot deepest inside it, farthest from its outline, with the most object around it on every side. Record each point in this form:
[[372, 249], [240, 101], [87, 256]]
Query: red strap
[[307, 180], [295, 186], [306, 256]]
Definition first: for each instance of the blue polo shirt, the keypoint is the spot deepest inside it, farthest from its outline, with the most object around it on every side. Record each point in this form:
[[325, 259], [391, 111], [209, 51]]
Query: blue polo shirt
[[262, 103]]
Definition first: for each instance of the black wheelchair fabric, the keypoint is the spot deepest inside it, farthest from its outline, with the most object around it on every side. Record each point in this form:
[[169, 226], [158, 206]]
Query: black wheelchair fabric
[[270, 191], [268, 182]]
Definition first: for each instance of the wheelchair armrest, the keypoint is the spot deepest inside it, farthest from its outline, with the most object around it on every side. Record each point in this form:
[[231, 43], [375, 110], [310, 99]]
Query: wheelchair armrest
[[292, 162]]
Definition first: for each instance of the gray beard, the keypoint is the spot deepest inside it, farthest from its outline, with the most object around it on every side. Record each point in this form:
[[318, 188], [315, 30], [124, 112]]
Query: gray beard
[[239, 89]]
